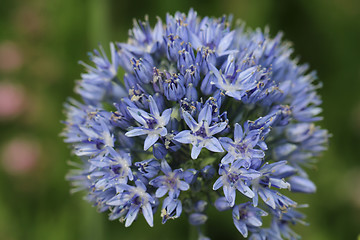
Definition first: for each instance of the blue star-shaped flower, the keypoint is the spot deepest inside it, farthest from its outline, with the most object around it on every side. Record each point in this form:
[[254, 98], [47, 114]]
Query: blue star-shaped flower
[[170, 182], [201, 133], [235, 177], [245, 216], [234, 82], [153, 123], [243, 145], [133, 199]]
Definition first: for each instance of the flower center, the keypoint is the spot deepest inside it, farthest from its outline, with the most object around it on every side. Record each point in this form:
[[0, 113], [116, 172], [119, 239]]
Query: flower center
[[151, 123], [233, 178], [171, 182], [241, 148], [201, 132]]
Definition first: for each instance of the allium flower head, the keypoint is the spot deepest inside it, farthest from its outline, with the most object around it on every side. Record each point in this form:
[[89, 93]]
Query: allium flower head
[[207, 114]]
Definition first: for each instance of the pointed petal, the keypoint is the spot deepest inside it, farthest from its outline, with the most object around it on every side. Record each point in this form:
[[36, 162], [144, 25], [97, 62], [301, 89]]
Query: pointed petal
[[135, 132], [161, 191], [225, 42], [195, 151], [227, 159], [230, 195], [214, 145], [131, 215], [218, 184], [256, 197], [279, 183], [238, 133], [252, 138], [267, 197], [166, 116], [192, 124], [153, 107], [195, 41], [254, 221], [235, 94], [150, 140], [140, 184], [178, 209], [245, 189], [205, 114], [183, 137], [217, 128], [257, 153], [165, 167], [138, 115], [217, 74], [241, 226], [148, 214], [225, 142], [89, 132]]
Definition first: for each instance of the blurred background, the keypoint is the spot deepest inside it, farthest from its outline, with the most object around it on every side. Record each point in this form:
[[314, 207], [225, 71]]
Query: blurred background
[[40, 45]]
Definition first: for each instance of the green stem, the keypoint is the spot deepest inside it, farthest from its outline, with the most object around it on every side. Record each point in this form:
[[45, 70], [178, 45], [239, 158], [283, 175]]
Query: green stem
[[193, 233]]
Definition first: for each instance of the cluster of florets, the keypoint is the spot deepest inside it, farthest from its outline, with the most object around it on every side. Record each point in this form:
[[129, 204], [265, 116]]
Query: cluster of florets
[[205, 115]]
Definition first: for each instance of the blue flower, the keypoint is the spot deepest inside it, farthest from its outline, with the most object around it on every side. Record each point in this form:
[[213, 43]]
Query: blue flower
[[246, 216], [270, 177], [174, 88], [235, 82], [243, 146], [148, 168], [201, 133], [153, 123], [235, 177], [171, 209], [170, 182], [134, 199], [199, 81]]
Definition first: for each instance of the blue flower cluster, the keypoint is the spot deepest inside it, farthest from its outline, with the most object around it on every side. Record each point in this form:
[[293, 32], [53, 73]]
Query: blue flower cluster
[[205, 115]]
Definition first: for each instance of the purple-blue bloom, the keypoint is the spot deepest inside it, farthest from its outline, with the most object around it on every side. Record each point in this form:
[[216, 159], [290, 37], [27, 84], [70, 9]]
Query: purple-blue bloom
[[201, 133], [243, 146], [235, 177], [133, 199], [192, 83], [246, 216], [170, 182], [171, 209], [153, 123]]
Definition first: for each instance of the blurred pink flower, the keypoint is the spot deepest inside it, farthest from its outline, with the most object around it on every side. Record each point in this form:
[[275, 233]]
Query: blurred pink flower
[[11, 58], [12, 100], [29, 21], [20, 156]]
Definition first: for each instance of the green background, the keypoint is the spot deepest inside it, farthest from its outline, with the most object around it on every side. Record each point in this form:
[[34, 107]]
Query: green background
[[51, 36]]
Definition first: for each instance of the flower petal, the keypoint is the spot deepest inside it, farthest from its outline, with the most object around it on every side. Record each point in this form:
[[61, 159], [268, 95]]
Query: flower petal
[[214, 145], [135, 132], [205, 114], [148, 214], [218, 127], [139, 115], [218, 184], [166, 116], [183, 137], [195, 151], [150, 140], [153, 107], [238, 133], [192, 124]]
